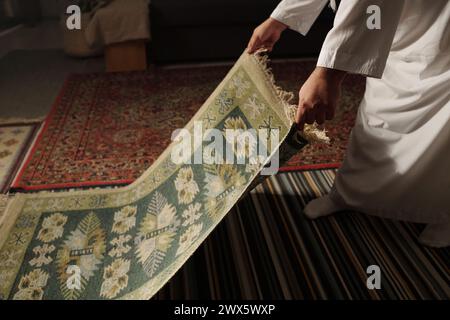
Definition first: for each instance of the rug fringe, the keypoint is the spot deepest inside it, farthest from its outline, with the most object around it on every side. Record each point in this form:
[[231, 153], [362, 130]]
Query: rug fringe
[[311, 133]]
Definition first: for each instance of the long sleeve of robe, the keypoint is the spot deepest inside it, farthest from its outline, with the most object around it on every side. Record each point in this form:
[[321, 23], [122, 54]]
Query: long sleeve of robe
[[397, 163], [349, 46]]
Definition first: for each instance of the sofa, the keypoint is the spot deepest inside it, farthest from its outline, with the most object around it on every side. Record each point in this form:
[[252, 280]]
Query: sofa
[[214, 30]]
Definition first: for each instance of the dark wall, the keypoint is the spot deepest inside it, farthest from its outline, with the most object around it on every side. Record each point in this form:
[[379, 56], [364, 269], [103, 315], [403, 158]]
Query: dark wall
[[220, 30], [23, 11]]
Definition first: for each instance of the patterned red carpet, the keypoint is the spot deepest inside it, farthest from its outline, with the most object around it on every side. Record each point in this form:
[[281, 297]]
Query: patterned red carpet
[[106, 129]]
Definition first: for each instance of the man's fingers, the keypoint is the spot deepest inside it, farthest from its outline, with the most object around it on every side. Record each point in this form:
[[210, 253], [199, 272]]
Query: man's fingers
[[301, 125], [299, 118], [268, 46], [310, 116], [320, 116], [256, 45], [252, 45]]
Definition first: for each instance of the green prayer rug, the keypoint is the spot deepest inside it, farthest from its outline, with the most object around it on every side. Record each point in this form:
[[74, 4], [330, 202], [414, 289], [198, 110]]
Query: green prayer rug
[[126, 243]]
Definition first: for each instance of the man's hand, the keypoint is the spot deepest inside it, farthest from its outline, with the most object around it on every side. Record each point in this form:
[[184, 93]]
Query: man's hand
[[319, 96], [266, 35]]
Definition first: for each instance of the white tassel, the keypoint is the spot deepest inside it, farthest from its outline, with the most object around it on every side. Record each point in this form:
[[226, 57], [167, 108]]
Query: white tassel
[[333, 5]]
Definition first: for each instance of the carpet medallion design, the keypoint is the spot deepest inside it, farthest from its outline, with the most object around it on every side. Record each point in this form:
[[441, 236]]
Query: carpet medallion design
[[127, 243], [107, 129]]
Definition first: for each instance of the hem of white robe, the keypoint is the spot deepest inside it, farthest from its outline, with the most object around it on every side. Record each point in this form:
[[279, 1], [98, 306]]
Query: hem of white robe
[[352, 63], [417, 215]]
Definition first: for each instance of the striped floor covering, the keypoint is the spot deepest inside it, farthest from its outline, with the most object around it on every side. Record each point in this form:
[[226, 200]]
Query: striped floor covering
[[266, 249]]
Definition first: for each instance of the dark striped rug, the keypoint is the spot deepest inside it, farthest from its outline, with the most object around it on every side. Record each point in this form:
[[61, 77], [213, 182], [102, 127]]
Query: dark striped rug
[[266, 249]]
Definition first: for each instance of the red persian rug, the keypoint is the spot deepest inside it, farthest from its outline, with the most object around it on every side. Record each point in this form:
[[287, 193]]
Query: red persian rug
[[106, 129]]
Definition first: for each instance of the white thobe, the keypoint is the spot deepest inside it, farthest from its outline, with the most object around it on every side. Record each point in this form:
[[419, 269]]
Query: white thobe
[[397, 163]]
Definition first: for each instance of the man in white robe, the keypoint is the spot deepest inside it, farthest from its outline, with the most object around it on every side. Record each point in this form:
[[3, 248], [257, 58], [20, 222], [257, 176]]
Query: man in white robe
[[398, 159]]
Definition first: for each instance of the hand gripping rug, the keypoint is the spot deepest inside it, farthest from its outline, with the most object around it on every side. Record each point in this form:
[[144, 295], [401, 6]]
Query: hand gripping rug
[[126, 243]]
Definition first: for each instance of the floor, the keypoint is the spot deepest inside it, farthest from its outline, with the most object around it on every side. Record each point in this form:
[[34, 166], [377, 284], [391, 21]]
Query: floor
[[45, 35], [33, 68]]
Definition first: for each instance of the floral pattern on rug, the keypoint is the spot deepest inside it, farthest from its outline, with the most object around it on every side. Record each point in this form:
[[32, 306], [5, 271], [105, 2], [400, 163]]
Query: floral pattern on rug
[[106, 129]]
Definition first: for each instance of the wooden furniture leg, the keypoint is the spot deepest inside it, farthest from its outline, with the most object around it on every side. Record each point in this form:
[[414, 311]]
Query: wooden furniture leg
[[126, 56]]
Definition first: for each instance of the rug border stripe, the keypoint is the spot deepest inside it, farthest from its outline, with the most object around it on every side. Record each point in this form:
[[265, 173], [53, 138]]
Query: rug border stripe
[[17, 182]]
